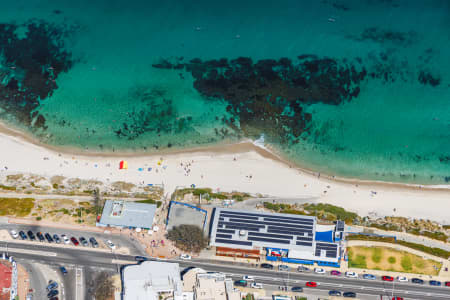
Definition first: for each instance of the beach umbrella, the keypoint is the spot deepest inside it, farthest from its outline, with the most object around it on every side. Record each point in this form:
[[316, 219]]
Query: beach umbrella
[[123, 165]]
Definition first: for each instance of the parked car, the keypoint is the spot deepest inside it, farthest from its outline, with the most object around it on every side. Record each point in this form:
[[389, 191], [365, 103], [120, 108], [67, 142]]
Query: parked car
[[435, 283], [397, 298], [49, 237], [54, 298], [140, 258], [417, 280], [63, 270], [447, 283], [266, 266], [351, 274], [110, 244], [93, 242], [40, 236], [74, 241], [303, 269], [56, 238], [319, 271], [297, 289], [52, 285], [402, 279], [248, 278], [185, 257], [65, 239], [242, 283], [256, 285], [369, 276], [14, 234], [387, 278], [335, 273], [334, 293], [283, 268], [52, 293], [31, 235], [22, 235], [84, 242], [311, 284], [349, 295]]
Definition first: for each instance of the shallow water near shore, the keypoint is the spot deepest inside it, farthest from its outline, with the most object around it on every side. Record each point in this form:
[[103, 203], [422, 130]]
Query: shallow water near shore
[[348, 88]]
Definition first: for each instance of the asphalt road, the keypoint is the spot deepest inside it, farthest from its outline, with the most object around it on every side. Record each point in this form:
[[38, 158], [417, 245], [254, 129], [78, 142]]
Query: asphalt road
[[37, 280], [111, 261]]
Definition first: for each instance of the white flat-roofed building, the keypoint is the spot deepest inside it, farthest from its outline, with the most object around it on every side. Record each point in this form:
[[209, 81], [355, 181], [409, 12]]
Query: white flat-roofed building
[[149, 279], [127, 214]]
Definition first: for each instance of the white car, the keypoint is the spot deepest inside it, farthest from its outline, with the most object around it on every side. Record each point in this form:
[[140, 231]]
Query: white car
[[351, 274], [402, 279], [185, 257], [14, 234], [319, 271], [110, 244], [65, 239], [255, 285], [248, 278]]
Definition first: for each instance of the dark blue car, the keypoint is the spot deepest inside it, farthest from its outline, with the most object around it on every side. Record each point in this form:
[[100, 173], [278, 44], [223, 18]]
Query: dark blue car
[[23, 236], [435, 283], [63, 270], [417, 280]]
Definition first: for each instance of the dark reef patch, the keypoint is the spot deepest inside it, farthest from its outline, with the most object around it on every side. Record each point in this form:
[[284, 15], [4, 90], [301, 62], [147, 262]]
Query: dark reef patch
[[29, 66], [269, 94], [157, 117], [426, 78], [382, 36]]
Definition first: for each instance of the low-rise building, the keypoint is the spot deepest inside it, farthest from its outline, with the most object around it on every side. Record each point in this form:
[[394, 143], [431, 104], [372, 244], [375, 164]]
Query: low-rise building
[[127, 214], [284, 237], [210, 286], [150, 279]]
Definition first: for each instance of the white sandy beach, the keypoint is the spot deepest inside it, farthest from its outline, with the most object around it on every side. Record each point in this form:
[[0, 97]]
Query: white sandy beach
[[246, 169]]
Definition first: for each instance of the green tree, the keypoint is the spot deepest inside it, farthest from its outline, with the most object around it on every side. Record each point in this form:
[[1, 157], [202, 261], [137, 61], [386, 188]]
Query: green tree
[[188, 238]]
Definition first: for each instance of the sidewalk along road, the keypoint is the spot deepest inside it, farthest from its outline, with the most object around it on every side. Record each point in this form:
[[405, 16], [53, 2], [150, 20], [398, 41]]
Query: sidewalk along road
[[376, 287]]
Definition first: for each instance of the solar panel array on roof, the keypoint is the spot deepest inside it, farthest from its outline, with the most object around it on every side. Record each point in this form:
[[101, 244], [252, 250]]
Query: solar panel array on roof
[[240, 229], [330, 249], [264, 228], [340, 225]]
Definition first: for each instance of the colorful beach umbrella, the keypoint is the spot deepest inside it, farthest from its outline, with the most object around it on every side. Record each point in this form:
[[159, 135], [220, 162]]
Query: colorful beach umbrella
[[123, 165]]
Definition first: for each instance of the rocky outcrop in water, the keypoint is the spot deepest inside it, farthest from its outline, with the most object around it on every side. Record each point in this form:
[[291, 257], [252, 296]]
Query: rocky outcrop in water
[[29, 66], [270, 94]]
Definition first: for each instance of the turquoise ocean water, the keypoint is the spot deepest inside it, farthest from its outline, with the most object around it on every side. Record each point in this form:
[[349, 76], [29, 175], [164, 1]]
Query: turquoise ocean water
[[355, 88]]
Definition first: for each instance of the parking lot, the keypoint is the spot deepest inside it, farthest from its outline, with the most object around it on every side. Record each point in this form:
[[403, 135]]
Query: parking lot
[[73, 238]]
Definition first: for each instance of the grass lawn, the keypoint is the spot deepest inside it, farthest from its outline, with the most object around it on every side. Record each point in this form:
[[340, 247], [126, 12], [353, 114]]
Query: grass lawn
[[18, 207], [389, 259]]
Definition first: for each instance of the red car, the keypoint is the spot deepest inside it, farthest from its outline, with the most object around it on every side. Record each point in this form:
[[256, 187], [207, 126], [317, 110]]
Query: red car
[[74, 241], [335, 273], [447, 283], [397, 298], [311, 284], [387, 278]]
